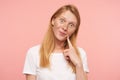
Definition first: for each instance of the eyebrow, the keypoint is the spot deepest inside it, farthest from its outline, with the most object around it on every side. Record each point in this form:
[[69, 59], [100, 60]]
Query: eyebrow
[[63, 17]]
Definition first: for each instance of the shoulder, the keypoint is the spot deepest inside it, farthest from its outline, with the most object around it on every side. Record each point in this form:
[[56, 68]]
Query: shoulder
[[81, 49], [82, 52], [34, 50]]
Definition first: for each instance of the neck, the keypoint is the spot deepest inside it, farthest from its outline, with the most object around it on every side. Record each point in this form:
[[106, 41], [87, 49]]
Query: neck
[[59, 46]]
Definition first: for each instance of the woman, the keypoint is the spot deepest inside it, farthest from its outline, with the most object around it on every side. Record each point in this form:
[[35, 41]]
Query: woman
[[58, 57]]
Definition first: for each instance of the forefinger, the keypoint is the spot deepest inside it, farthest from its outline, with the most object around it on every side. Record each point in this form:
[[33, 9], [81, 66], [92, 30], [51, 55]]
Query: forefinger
[[69, 43]]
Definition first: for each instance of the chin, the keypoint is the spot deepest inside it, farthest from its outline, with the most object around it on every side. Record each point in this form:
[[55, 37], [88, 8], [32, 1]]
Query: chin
[[61, 39]]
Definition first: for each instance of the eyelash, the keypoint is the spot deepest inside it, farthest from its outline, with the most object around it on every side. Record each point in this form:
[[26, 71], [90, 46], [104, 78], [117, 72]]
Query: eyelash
[[62, 20], [72, 24]]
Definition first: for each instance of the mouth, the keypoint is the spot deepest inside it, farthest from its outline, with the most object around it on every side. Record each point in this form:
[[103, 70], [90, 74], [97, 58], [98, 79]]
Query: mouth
[[62, 33]]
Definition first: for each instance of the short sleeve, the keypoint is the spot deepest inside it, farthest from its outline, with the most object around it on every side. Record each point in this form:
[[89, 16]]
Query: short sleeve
[[30, 64], [84, 59]]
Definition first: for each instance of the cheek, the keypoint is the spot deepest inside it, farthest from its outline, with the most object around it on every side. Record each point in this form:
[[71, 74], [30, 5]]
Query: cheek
[[55, 29], [57, 24], [71, 32]]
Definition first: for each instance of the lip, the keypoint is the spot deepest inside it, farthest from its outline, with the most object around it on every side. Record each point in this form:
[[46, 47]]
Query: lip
[[62, 33]]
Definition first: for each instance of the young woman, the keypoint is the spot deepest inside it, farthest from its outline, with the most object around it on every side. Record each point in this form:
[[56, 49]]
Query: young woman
[[58, 57]]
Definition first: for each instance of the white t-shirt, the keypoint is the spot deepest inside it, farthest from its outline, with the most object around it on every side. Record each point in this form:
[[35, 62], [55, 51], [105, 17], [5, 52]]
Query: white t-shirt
[[59, 69]]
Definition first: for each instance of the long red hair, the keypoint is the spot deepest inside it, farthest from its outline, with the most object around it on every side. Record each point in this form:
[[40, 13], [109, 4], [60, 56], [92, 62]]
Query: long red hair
[[48, 43]]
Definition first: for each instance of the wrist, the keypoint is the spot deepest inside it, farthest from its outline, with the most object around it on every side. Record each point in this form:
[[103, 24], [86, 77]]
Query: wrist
[[78, 65]]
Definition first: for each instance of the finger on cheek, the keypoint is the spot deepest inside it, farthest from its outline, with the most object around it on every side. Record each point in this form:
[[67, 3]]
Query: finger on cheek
[[69, 43]]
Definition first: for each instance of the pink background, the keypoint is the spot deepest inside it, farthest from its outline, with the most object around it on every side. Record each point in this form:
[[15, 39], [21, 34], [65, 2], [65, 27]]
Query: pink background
[[23, 24]]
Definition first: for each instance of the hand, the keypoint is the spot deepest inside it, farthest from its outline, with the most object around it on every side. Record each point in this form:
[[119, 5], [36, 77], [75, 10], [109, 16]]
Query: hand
[[70, 54]]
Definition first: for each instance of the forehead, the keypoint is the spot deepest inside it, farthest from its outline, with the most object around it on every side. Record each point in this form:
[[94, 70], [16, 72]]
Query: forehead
[[69, 16]]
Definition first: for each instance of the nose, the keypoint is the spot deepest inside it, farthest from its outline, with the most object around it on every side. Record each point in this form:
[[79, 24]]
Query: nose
[[65, 27]]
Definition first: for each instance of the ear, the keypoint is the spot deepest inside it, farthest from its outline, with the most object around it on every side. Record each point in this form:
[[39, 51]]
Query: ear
[[53, 21]]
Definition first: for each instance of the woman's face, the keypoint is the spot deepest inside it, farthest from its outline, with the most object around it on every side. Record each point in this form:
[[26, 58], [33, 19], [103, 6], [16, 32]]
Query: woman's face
[[64, 25]]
